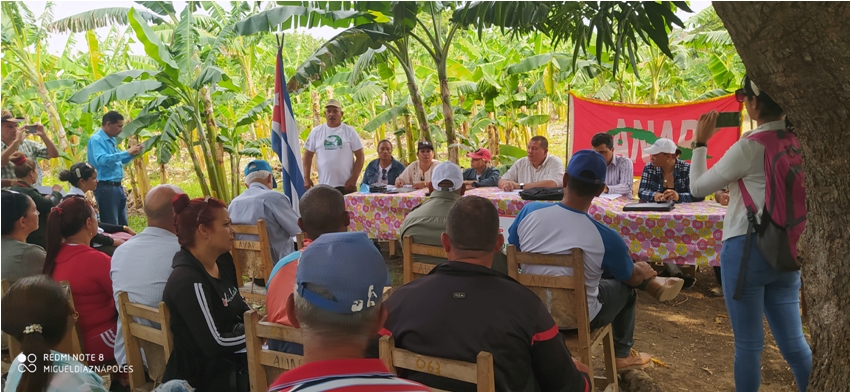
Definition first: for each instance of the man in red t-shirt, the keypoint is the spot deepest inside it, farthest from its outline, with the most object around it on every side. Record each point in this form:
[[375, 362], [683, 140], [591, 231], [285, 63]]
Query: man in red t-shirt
[[337, 305], [322, 211]]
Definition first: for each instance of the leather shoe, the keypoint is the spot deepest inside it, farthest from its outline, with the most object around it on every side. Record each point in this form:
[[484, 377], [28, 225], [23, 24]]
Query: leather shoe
[[635, 360], [664, 289]]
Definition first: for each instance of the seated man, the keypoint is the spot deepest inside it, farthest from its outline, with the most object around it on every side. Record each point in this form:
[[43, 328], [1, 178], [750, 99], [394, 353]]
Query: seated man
[[481, 174], [620, 177], [322, 211], [384, 170], [338, 307], [610, 274], [141, 266], [427, 221], [259, 201], [537, 170], [464, 307]]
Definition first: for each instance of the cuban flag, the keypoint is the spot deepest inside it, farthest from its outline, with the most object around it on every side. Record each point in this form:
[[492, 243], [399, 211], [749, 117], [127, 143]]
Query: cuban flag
[[285, 141]]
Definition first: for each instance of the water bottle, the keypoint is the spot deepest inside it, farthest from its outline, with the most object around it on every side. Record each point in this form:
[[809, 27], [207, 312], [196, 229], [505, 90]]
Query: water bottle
[[364, 188]]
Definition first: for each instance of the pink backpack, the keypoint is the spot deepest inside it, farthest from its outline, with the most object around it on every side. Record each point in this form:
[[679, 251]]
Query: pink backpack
[[784, 215]]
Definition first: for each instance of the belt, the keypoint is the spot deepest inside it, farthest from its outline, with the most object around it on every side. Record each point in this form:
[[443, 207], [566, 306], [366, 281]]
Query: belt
[[111, 183]]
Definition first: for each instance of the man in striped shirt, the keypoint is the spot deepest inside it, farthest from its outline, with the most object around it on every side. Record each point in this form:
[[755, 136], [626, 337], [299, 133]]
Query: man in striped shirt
[[338, 306], [620, 177]]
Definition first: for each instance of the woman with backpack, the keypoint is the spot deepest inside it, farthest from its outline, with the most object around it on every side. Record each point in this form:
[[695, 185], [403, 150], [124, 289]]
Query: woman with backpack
[[758, 280]]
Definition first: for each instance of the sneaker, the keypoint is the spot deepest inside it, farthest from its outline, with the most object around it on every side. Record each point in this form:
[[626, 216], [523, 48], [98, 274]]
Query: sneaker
[[716, 291], [664, 289], [635, 360]]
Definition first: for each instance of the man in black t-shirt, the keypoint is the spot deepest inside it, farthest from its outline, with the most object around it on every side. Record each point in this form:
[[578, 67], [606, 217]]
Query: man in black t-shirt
[[464, 307]]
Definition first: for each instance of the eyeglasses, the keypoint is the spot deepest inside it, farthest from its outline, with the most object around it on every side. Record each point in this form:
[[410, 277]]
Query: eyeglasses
[[740, 95], [384, 175]]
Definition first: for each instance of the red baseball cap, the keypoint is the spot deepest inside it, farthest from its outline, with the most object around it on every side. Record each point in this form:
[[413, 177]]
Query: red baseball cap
[[481, 153]]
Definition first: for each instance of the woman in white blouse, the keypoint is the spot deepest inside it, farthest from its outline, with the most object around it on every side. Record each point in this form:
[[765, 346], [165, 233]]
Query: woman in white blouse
[[766, 290], [418, 174]]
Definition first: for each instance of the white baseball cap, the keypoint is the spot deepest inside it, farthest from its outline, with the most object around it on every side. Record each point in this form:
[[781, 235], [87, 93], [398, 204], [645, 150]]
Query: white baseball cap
[[664, 145], [447, 171]]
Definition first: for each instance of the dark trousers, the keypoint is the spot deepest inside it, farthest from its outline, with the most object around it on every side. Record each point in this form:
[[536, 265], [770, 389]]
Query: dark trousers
[[112, 203], [618, 309]]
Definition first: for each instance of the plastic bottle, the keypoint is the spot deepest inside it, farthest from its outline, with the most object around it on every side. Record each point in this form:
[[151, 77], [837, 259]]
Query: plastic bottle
[[364, 188]]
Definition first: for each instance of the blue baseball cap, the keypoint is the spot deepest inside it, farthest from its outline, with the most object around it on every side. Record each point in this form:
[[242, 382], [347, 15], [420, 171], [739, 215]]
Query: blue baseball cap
[[257, 165], [587, 166], [348, 267]]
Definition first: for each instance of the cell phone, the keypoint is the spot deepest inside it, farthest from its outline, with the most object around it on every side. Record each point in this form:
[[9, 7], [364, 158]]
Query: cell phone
[[728, 119], [31, 128]]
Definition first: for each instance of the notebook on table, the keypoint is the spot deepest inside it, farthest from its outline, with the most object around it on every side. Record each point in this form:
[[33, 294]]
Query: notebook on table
[[659, 206]]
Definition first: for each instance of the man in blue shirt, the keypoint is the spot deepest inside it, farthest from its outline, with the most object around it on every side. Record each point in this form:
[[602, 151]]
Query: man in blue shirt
[[109, 162]]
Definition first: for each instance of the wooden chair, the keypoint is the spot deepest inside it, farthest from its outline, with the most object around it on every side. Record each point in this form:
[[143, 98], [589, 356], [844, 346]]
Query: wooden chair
[[480, 373], [265, 365], [299, 242], [136, 335], [566, 299], [412, 269], [253, 258], [11, 343], [71, 342]]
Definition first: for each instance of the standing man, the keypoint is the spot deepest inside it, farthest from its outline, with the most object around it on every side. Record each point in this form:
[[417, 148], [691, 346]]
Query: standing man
[[15, 139], [537, 170], [621, 170], [109, 161], [334, 142]]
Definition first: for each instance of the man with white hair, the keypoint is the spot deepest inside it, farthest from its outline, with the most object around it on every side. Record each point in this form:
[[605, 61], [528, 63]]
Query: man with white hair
[[259, 201], [337, 305]]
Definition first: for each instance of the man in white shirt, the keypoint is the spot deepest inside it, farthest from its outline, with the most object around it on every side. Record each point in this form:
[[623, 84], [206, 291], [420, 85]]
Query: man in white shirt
[[259, 201], [620, 178], [537, 170], [142, 265], [333, 143]]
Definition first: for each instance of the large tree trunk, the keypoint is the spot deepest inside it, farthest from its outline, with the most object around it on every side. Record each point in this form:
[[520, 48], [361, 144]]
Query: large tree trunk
[[798, 52], [448, 114]]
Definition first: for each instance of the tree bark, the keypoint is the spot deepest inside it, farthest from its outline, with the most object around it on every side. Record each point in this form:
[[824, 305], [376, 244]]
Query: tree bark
[[448, 114], [797, 52]]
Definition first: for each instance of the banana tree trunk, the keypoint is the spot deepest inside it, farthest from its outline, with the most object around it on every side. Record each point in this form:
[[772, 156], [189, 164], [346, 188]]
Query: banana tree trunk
[[53, 115], [196, 164], [317, 117], [163, 176], [208, 135], [134, 186], [140, 165], [411, 142], [448, 115], [234, 177]]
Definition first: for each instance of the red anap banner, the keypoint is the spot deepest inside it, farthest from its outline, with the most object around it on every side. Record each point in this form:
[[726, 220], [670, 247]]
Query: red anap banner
[[677, 122]]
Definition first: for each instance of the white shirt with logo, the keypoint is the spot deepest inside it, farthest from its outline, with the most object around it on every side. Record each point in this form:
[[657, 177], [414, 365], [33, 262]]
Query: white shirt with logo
[[334, 148]]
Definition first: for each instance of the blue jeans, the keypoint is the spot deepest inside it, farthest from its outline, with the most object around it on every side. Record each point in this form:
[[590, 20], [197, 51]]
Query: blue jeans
[[774, 294], [111, 203]]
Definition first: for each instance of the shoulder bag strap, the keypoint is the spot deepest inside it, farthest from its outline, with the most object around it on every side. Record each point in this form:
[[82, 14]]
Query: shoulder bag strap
[[745, 257]]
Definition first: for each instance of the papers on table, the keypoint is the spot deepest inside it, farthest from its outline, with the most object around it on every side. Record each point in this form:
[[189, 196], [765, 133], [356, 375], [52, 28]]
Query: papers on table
[[514, 192], [610, 196]]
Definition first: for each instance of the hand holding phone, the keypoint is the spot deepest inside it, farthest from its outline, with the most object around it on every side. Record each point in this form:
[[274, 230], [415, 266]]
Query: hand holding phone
[[33, 129], [728, 119]]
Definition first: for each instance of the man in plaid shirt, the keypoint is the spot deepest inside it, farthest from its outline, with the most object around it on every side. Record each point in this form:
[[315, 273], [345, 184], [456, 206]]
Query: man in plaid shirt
[[15, 139]]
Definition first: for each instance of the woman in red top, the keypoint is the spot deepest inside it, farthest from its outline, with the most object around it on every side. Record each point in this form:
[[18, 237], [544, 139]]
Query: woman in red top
[[87, 272]]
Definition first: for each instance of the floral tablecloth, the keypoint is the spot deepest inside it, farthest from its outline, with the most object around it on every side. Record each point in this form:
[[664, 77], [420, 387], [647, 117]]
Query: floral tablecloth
[[690, 234]]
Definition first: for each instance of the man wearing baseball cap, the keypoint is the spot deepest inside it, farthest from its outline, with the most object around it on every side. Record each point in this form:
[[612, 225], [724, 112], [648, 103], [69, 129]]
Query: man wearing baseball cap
[[333, 143], [259, 201], [666, 177], [480, 174], [540, 228], [418, 174], [337, 304], [15, 139]]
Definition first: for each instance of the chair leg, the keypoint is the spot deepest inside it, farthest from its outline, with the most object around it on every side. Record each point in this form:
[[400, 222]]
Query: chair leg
[[610, 360], [392, 247]]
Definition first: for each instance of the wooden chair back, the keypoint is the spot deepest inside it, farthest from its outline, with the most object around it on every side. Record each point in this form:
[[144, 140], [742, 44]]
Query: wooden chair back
[[481, 372], [157, 342], [265, 365], [413, 269], [71, 343], [299, 241], [252, 258], [11, 343]]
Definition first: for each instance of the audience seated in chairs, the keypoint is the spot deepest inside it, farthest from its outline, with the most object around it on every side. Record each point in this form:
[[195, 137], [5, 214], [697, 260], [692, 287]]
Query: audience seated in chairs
[[27, 176], [338, 307], [20, 218], [83, 178], [70, 228], [204, 301], [427, 221], [322, 211], [610, 274], [259, 201], [464, 307], [141, 266]]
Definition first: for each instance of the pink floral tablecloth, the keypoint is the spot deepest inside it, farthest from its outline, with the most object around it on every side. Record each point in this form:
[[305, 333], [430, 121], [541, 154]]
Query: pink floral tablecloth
[[690, 234]]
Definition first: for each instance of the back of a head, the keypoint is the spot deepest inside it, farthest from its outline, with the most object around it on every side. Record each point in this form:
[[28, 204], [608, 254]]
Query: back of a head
[[190, 213], [36, 312], [323, 211], [65, 220], [24, 166], [158, 208], [766, 105], [586, 171], [79, 171], [14, 207], [473, 224]]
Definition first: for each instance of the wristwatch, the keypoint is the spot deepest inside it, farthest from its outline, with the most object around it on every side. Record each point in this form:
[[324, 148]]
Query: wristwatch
[[696, 144], [521, 185]]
